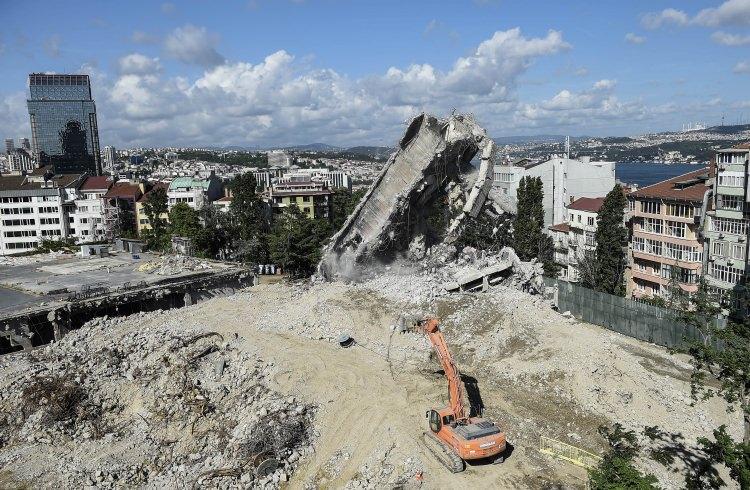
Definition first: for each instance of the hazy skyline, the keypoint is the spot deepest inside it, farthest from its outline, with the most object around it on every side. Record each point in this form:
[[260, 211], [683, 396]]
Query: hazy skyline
[[344, 72]]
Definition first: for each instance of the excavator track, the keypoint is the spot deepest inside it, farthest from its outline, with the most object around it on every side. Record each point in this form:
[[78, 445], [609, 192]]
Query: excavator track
[[443, 453]]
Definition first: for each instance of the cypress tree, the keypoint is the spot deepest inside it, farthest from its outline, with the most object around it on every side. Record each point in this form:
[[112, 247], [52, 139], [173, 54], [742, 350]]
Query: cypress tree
[[611, 238], [530, 242]]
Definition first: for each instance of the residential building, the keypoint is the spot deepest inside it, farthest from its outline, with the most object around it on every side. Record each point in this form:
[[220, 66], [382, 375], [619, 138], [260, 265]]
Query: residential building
[[335, 179], [119, 209], [20, 160], [35, 207], [142, 219], [564, 180], [665, 235], [726, 228], [223, 204], [196, 193], [576, 236], [25, 144], [110, 157], [87, 222], [64, 130], [9, 145], [313, 198]]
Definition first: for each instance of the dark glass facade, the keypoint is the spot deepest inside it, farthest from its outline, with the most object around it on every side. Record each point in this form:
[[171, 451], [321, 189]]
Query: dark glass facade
[[63, 123]]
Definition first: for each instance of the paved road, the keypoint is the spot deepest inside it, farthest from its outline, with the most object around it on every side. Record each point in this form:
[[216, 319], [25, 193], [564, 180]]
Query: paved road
[[12, 298]]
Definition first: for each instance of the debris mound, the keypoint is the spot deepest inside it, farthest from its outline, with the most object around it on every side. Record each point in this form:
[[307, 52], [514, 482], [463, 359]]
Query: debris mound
[[159, 407], [172, 265]]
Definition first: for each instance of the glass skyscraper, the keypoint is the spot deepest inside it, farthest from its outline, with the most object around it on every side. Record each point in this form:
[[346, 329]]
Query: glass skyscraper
[[63, 123]]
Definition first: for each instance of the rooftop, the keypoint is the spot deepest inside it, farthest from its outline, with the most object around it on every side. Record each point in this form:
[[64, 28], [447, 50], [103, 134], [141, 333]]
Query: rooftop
[[686, 187], [100, 183], [22, 182], [188, 183], [590, 204], [561, 227], [124, 190]]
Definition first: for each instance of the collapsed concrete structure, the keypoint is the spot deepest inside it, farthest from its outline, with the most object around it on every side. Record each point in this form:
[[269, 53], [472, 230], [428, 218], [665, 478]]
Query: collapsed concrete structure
[[431, 167]]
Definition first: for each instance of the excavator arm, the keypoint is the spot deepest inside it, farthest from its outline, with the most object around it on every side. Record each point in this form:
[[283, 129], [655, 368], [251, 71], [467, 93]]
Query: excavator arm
[[431, 328]]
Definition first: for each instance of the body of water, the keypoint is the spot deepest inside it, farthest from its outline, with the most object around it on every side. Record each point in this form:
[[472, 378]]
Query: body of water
[[645, 174]]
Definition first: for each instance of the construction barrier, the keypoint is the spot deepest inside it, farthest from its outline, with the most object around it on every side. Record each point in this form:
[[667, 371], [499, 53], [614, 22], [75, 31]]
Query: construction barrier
[[568, 453]]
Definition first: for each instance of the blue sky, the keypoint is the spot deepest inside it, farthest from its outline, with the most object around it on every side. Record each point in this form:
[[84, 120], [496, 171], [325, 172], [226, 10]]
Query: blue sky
[[276, 72]]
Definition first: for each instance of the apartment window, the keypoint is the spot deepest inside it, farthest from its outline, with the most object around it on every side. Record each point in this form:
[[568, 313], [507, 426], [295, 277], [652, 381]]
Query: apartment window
[[84, 220], [19, 233], [578, 216], [653, 225], [16, 211], [84, 232], [590, 239], [720, 248], [631, 205], [505, 177], [653, 247], [8, 200], [49, 221], [640, 286], [642, 266], [49, 209], [676, 229], [731, 180], [590, 221], [726, 274], [83, 209], [18, 222], [639, 244], [651, 207], [21, 245], [680, 210], [738, 251], [729, 225], [733, 203], [51, 233]]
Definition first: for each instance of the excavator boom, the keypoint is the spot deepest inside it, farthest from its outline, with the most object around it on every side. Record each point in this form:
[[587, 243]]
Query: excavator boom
[[455, 393]]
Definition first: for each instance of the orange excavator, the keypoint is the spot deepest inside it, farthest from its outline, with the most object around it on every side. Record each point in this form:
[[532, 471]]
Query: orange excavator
[[454, 437]]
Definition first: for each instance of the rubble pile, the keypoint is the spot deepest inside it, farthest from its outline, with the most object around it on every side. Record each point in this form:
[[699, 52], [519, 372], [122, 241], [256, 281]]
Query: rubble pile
[[171, 265], [159, 407]]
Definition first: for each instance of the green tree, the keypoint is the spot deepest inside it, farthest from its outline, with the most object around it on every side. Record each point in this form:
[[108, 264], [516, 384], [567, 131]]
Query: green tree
[[213, 240], [611, 239], [616, 470], [295, 242], [155, 207], [247, 220], [184, 221], [344, 203], [529, 240], [486, 232]]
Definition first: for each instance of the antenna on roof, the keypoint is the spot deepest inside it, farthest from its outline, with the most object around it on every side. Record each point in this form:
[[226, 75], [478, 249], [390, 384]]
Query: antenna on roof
[[567, 147]]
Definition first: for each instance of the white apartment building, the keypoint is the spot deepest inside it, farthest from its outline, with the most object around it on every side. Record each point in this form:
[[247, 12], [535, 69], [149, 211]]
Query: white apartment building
[[20, 160], [110, 157], [86, 220], [33, 208], [196, 193], [564, 180], [576, 236], [279, 158]]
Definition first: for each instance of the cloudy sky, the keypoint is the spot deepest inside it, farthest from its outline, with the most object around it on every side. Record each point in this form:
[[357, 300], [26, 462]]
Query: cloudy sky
[[346, 72]]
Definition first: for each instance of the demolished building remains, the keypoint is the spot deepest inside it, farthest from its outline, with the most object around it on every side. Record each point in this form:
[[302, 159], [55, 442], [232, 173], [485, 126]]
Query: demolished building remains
[[424, 193]]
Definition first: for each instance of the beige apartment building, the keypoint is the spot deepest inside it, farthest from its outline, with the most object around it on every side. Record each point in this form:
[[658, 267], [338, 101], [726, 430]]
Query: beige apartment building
[[666, 241]]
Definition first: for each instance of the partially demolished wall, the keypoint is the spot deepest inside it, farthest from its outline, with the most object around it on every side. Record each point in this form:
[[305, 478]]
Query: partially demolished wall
[[432, 160]]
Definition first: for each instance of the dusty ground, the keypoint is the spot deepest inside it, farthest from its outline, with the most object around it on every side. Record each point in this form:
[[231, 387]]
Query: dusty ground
[[537, 373]]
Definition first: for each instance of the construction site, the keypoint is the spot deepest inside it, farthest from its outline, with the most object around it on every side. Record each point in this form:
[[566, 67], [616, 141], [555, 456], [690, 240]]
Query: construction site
[[405, 362]]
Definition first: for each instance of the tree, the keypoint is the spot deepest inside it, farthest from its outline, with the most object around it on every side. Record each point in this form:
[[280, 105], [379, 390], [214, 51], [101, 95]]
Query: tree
[[184, 221], [722, 354], [611, 239], [155, 207], [295, 242], [344, 203], [529, 241], [616, 470], [248, 222], [486, 232], [213, 239]]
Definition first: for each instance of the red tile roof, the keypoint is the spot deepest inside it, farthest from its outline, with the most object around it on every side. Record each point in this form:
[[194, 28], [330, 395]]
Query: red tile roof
[[100, 183], [590, 204], [225, 199], [563, 227], [686, 187], [124, 190]]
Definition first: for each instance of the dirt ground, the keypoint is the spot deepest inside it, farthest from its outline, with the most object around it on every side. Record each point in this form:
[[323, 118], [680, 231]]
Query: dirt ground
[[537, 374]]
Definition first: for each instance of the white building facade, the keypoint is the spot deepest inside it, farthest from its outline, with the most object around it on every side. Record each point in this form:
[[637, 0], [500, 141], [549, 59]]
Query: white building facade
[[564, 180]]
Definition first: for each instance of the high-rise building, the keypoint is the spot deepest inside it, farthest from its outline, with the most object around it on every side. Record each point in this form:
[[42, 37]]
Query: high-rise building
[[64, 131], [9, 146], [110, 157], [25, 145]]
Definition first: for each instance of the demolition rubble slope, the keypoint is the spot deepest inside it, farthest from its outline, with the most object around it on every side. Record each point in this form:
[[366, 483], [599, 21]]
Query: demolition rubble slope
[[537, 372]]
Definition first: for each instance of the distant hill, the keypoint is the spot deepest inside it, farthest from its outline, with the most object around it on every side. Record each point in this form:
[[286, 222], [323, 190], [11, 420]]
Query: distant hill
[[313, 147], [537, 138], [733, 129], [377, 152]]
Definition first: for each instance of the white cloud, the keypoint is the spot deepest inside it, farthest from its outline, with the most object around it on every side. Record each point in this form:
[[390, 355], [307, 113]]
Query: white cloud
[[193, 45], [735, 12], [605, 84], [727, 39], [634, 38], [742, 67], [52, 46], [141, 37], [138, 64], [654, 20]]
